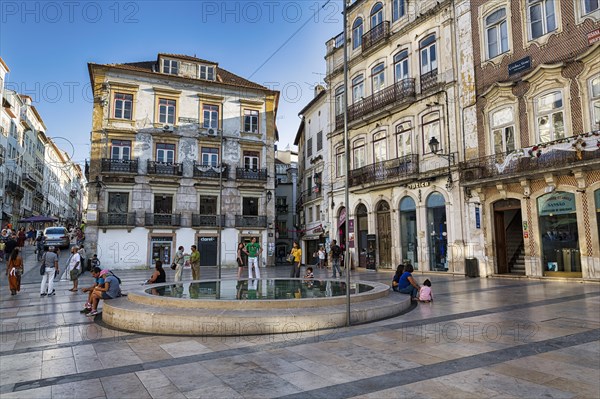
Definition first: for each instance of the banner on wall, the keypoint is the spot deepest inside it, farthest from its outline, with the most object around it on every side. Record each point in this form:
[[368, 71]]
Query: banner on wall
[[556, 204]]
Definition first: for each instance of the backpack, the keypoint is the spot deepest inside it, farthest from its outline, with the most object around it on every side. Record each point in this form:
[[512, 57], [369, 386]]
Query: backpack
[[336, 250]]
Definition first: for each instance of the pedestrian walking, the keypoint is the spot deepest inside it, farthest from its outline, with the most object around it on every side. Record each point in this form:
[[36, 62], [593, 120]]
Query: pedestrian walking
[[21, 236], [178, 261], [195, 263], [50, 262], [14, 270], [336, 257]]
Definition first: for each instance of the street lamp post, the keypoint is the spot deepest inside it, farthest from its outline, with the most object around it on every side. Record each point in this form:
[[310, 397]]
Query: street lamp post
[[347, 152]]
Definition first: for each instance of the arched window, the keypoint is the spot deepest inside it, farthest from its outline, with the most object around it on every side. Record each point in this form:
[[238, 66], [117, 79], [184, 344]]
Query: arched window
[[339, 100], [550, 116], [378, 77], [376, 15], [401, 66], [358, 88], [357, 33], [496, 33]]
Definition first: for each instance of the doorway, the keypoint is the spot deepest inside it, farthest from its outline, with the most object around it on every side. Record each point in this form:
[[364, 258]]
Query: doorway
[[384, 233], [362, 229], [207, 246], [508, 232]]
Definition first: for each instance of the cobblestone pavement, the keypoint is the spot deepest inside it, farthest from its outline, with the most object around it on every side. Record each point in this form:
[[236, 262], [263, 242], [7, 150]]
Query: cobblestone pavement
[[480, 338]]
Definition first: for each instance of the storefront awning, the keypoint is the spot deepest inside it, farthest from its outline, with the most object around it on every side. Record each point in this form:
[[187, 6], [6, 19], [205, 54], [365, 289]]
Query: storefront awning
[[311, 237]]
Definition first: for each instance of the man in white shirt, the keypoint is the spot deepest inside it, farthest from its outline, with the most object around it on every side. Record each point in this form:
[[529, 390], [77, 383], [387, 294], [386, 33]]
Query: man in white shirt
[[74, 268]]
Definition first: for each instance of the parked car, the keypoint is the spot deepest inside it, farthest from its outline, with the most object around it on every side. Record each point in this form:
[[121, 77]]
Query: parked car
[[56, 236]]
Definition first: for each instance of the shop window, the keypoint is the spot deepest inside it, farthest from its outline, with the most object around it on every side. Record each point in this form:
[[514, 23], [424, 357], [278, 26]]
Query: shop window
[[557, 214], [408, 231], [437, 233]]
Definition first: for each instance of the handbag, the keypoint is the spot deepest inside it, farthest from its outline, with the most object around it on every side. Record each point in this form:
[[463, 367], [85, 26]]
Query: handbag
[[173, 266], [290, 258]]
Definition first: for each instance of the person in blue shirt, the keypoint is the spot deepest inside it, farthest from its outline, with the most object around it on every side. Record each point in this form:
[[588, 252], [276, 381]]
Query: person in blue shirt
[[396, 279], [98, 281], [407, 284]]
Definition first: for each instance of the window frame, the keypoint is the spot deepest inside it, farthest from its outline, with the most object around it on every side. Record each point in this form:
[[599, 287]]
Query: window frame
[[425, 47], [378, 78], [426, 138], [339, 100], [550, 114], [358, 82], [211, 153], [584, 12], [170, 69], [251, 158], [340, 162], [309, 148], [594, 103], [167, 107], [359, 147], [357, 33], [120, 145], [250, 115], [497, 25], [127, 99], [319, 140], [502, 129], [165, 149], [211, 121], [380, 142], [207, 72], [401, 58], [404, 129], [543, 18], [398, 9], [376, 15]]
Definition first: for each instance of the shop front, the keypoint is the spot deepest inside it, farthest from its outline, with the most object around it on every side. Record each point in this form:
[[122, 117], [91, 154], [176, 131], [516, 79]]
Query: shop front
[[437, 232], [408, 231], [162, 249], [557, 217]]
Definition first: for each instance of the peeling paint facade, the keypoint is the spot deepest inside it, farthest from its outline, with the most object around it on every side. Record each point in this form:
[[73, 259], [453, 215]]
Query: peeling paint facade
[[175, 143]]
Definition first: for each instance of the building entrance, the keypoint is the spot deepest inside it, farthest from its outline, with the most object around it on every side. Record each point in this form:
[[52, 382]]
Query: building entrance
[[508, 233], [208, 248], [384, 233]]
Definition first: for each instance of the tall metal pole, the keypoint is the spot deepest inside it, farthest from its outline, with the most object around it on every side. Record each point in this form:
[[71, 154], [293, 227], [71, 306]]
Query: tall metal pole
[[347, 174], [220, 213]]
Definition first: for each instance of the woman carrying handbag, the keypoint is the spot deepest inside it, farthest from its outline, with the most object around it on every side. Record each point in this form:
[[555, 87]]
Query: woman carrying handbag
[[14, 270]]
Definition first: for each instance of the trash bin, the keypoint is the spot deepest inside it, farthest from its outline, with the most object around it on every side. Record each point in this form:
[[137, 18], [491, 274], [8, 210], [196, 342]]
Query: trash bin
[[471, 267]]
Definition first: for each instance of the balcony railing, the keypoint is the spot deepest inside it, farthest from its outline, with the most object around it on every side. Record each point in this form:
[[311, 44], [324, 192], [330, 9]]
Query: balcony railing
[[207, 220], [375, 35], [116, 219], [389, 171], [165, 168], [517, 163], [429, 80], [163, 219], [251, 174], [210, 171], [309, 195], [400, 91], [250, 221], [281, 209], [29, 180], [119, 165], [38, 195]]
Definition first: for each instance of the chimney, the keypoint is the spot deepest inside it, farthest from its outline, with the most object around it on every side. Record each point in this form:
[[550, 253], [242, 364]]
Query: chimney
[[318, 89]]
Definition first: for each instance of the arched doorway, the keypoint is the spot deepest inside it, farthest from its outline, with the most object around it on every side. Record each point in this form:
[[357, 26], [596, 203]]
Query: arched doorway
[[408, 231], [437, 233], [362, 230], [508, 233], [384, 234]]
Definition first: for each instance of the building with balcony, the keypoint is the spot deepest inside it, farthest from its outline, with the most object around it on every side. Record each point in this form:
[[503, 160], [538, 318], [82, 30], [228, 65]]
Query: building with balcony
[[533, 161], [315, 173], [182, 151], [4, 217], [13, 198], [408, 93], [286, 194]]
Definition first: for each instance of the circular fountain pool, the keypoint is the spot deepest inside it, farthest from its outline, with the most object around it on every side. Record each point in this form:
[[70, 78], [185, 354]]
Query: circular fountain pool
[[246, 307]]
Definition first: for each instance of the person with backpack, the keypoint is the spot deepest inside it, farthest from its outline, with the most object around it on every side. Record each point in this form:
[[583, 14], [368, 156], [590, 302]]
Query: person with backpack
[[110, 290], [336, 254]]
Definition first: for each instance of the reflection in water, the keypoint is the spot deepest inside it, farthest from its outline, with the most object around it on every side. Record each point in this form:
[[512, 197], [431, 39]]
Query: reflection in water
[[258, 289]]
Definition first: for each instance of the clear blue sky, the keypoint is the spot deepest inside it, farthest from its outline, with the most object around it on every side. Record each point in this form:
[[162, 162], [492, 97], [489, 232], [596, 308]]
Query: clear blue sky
[[47, 46]]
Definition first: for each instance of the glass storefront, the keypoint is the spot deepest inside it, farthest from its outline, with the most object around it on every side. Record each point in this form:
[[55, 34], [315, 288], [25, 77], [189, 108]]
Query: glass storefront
[[559, 234], [437, 232], [408, 231]]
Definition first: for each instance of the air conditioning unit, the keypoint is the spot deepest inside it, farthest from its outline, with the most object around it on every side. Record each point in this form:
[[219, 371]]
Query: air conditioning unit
[[211, 132], [168, 128]]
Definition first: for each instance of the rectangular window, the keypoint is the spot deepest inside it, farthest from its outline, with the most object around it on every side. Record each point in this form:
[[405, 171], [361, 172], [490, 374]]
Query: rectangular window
[[208, 205], [497, 33], [171, 67], [250, 206], [431, 128], [595, 102], [589, 6], [358, 88], [120, 149], [428, 59], [398, 9], [250, 121], [358, 154], [163, 204], [318, 212], [251, 160], [542, 18], [210, 116], [118, 202], [378, 78], [309, 215], [165, 153], [207, 72], [550, 117], [123, 106], [340, 164], [166, 111], [339, 100], [503, 131], [309, 147], [379, 149], [319, 141], [404, 139], [210, 156]]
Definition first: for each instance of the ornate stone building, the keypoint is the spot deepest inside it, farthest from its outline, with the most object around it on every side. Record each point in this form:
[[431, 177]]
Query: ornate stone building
[[180, 148], [533, 163]]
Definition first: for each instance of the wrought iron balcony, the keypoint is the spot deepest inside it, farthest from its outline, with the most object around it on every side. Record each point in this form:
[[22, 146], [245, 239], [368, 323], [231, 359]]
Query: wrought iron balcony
[[251, 174], [207, 220], [309, 195], [250, 221], [38, 195], [29, 180], [429, 80], [165, 168], [210, 171], [390, 171], [506, 166], [163, 219], [376, 35], [401, 91], [116, 219], [119, 165]]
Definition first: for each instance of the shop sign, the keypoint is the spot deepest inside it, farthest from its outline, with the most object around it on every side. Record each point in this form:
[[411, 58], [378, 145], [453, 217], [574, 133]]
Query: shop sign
[[420, 184], [556, 204], [161, 239], [593, 36], [342, 217], [519, 66]]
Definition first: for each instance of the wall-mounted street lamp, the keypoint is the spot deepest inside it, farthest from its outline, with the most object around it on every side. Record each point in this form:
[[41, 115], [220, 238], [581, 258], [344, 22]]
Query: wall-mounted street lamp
[[434, 146]]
